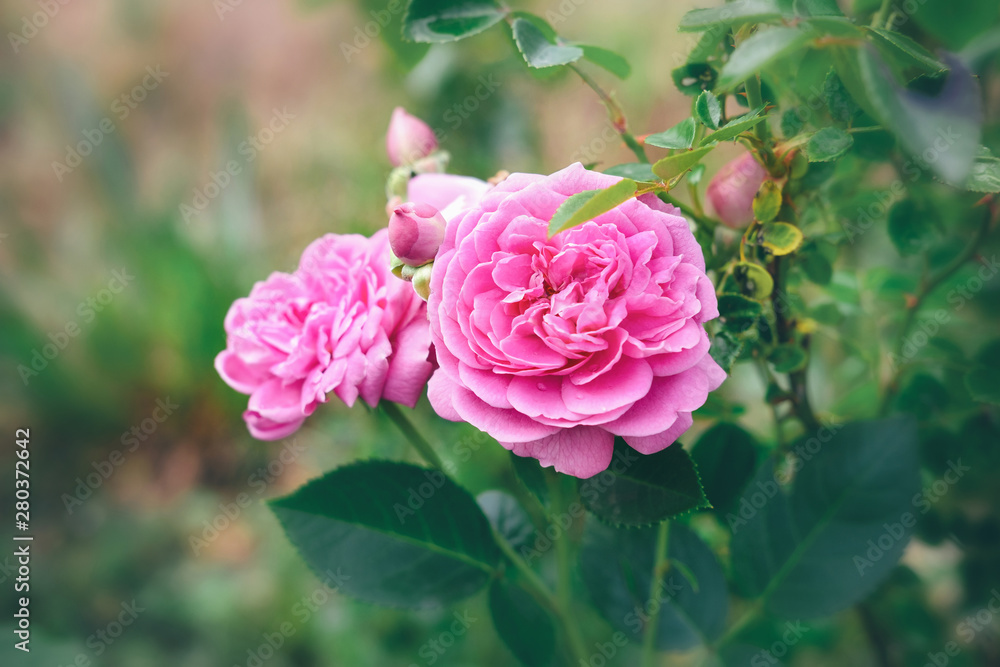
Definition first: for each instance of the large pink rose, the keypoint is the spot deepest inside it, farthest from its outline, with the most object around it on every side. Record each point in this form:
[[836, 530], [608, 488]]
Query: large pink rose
[[341, 323], [554, 346]]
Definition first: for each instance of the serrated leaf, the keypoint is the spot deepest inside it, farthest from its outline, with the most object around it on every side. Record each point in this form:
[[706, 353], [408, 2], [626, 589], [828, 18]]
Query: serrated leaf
[[639, 490], [709, 109], [753, 279], [449, 20], [589, 204], [680, 135], [760, 50], [828, 144], [676, 164], [781, 238], [402, 535], [524, 626], [726, 456], [840, 531], [617, 565], [917, 55], [730, 15], [767, 201], [537, 50], [726, 349], [738, 312], [787, 358], [735, 127], [609, 60]]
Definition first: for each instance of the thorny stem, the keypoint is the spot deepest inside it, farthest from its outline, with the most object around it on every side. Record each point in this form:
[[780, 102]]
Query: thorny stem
[[615, 113]]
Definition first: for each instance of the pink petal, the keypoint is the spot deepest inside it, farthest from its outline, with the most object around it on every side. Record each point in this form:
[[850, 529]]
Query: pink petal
[[581, 451]]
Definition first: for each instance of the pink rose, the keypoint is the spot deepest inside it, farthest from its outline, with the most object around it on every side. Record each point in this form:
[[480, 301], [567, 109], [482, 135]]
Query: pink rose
[[447, 193], [554, 346], [341, 323], [733, 188]]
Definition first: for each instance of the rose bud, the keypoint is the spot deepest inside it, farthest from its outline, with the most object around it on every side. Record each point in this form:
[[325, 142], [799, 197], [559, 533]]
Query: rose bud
[[732, 190], [416, 231], [409, 138]]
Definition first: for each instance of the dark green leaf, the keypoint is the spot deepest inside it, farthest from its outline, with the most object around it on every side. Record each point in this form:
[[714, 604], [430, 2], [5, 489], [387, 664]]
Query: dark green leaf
[[530, 473], [709, 109], [587, 205], [923, 396], [617, 565], [730, 15], [760, 50], [726, 349], [787, 358], [449, 20], [900, 44], [680, 135], [842, 528], [817, 8], [726, 456], [399, 534], [738, 312], [838, 100], [828, 144], [537, 50], [735, 127], [676, 164], [815, 264], [639, 490], [523, 625], [507, 517], [946, 127], [767, 201], [911, 227], [983, 381], [694, 78], [609, 60]]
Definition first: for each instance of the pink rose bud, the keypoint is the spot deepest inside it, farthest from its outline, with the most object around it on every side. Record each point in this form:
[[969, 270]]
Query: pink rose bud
[[416, 231], [409, 139], [732, 190]]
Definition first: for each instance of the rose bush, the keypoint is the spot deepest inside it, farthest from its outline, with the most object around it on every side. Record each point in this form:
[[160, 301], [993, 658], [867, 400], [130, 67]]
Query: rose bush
[[341, 323], [554, 346]]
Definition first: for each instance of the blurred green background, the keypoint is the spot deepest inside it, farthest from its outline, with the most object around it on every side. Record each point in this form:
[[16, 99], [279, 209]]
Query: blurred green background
[[298, 96]]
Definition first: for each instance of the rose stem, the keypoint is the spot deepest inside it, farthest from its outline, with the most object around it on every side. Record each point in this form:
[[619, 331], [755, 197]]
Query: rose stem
[[660, 566], [406, 426]]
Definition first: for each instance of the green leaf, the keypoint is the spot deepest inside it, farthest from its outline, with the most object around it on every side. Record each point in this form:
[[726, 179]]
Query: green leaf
[[609, 60], [787, 358], [537, 50], [694, 178], [449, 20], [760, 50], [401, 535], [911, 227], [637, 171], [735, 127], [589, 204], [946, 127], [841, 529], [709, 109], [694, 78], [898, 43], [815, 264], [524, 626], [507, 517], [529, 472], [817, 8], [781, 238], [617, 566], [767, 201], [828, 144], [985, 174], [838, 99], [726, 456], [983, 381], [639, 490], [680, 135], [726, 349], [730, 15], [676, 164], [738, 313], [753, 279]]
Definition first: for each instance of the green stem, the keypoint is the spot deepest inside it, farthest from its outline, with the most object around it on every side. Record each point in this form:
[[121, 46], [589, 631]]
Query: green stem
[[403, 423], [796, 379], [883, 11], [754, 100], [741, 623], [615, 112], [927, 286], [563, 558], [660, 566]]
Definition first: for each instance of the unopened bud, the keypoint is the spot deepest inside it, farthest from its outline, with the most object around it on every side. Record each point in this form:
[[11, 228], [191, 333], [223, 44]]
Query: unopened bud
[[732, 190], [416, 231], [409, 138]]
